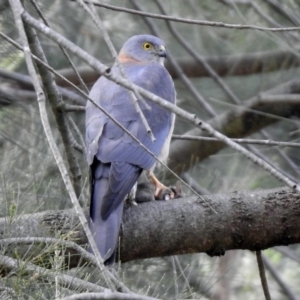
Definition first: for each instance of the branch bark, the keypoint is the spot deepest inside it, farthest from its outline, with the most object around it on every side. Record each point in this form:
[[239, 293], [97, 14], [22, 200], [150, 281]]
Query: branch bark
[[244, 220]]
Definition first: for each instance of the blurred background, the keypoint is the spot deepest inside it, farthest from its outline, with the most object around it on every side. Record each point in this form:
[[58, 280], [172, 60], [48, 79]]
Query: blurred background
[[244, 82]]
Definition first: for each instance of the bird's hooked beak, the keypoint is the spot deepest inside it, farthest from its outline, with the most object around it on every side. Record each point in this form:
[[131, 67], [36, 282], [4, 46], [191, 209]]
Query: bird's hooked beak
[[161, 51]]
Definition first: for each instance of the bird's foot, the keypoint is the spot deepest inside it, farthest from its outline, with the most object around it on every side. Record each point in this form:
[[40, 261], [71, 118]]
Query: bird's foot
[[163, 192], [167, 193], [130, 202]]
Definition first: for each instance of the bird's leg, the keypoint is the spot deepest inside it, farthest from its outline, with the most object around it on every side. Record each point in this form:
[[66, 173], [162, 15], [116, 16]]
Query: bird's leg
[[130, 198], [161, 191]]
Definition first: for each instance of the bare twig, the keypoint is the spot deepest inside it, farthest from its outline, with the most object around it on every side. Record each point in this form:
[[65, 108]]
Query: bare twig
[[189, 21], [74, 108], [78, 133], [262, 275], [107, 296], [239, 141]]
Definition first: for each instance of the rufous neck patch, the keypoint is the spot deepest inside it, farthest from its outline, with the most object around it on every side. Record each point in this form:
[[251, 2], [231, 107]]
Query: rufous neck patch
[[124, 58]]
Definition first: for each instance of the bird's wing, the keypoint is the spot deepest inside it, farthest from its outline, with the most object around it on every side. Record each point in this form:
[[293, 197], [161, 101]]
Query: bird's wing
[[114, 143], [116, 159]]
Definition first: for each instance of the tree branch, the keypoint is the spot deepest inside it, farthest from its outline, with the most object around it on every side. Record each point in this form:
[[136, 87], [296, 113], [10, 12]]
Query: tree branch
[[244, 220]]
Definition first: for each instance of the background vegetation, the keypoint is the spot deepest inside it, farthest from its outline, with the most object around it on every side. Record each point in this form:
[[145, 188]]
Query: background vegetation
[[225, 70]]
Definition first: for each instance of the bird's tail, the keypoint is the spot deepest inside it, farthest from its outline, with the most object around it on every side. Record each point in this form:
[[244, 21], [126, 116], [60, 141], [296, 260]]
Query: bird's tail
[[108, 192]]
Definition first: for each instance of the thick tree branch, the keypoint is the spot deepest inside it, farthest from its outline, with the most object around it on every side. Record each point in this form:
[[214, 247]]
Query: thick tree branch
[[244, 220]]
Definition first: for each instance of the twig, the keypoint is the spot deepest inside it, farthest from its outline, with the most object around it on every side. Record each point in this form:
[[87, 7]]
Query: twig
[[78, 133], [107, 296], [74, 108], [262, 275], [239, 141], [175, 276], [189, 21]]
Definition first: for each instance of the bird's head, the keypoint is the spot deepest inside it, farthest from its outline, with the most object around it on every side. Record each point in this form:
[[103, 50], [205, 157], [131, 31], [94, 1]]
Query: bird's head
[[143, 48]]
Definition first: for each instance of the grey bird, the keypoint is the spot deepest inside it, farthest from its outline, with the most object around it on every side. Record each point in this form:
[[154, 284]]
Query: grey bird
[[115, 159]]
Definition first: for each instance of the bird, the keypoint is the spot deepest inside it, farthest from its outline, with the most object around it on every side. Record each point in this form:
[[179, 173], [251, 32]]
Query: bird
[[115, 159]]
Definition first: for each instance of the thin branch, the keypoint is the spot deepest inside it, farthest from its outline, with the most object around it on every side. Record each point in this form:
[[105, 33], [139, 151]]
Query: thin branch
[[262, 275], [107, 296], [81, 145], [190, 21], [239, 141], [74, 108]]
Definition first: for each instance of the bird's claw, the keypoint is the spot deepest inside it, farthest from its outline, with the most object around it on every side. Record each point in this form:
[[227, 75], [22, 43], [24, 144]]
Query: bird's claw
[[167, 193], [130, 202]]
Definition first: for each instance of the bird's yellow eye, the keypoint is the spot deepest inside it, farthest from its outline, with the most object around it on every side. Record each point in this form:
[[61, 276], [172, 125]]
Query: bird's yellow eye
[[147, 46]]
